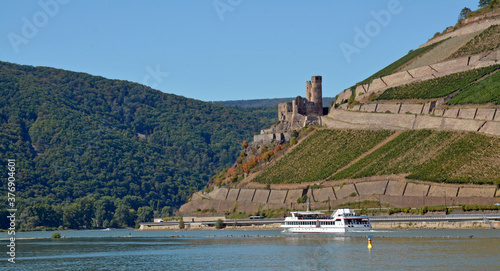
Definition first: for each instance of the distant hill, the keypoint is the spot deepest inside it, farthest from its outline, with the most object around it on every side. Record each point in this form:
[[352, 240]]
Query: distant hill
[[79, 139], [268, 102]]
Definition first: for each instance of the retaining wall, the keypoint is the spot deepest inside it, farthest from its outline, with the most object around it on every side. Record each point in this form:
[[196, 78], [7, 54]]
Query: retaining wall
[[370, 107], [246, 194], [422, 73], [397, 193], [437, 190], [485, 113], [391, 108], [219, 193], [277, 196], [293, 195], [323, 194], [476, 192], [415, 190], [370, 188], [346, 191], [261, 195], [411, 108], [467, 113], [395, 188], [342, 119], [233, 194]]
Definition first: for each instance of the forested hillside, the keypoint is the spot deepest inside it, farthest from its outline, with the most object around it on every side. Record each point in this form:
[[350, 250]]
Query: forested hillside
[[78, 139], [269, 102]]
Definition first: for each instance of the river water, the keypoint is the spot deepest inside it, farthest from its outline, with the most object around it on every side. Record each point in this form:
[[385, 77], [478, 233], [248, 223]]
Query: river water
[[256, 250]]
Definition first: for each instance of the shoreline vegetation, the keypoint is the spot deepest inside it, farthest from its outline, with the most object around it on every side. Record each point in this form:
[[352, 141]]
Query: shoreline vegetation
[[464, 225]]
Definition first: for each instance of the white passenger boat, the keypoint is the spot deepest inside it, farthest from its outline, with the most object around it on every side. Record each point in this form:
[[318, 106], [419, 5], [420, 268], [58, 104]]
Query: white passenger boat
[[342, 220]]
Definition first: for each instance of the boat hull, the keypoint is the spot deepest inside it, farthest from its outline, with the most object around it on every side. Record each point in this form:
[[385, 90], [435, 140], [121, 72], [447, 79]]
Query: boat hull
[[324, 229]]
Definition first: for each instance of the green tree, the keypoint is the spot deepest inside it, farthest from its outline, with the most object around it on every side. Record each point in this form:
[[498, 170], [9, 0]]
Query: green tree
[[166, 211], [124, 216], [72, 216], [86, 211], [219, 224], [181, 223], [104, 210], [483, 3], [463, 14], [490, 3], [144, 214]]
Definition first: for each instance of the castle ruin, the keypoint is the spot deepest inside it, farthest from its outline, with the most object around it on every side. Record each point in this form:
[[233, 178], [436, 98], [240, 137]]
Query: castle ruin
[[302, 111]]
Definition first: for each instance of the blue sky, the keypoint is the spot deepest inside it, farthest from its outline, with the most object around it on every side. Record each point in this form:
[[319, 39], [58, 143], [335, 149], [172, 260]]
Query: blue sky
[[222, 49]]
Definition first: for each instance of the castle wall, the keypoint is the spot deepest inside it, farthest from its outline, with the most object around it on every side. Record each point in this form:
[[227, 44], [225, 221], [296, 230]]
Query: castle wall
[[308, 90], [317, 94]]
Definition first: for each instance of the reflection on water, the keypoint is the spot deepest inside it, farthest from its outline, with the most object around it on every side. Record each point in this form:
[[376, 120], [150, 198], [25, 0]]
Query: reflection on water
[[259, 250]]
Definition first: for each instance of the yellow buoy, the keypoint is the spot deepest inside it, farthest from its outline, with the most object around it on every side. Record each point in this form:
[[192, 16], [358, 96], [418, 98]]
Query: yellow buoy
[[369, 243]]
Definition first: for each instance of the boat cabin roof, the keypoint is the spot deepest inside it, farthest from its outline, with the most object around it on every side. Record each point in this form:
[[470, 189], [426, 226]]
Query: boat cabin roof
[[344, 212], [309, 213]]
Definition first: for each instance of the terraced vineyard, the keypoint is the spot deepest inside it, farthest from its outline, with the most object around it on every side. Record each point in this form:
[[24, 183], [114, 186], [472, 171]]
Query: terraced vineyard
[[473, 158], [438, 156], [485, 91], [438, 87], [321, 155], [488, 40], [401, 155], [400, 62]]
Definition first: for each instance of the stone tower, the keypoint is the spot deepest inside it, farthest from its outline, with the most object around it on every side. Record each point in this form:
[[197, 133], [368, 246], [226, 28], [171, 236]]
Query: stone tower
[[308, 90], [316, 94]]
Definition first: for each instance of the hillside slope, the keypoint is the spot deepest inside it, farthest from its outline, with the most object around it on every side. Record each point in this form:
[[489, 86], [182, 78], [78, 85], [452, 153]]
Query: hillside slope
[[77, 136], [413, 94], [450, 157], [268, 102]]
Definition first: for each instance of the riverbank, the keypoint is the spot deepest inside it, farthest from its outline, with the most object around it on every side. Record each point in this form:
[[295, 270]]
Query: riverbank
[[479, 224]]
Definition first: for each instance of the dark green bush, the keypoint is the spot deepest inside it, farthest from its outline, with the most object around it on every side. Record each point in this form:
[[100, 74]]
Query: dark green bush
[[219, 224]]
